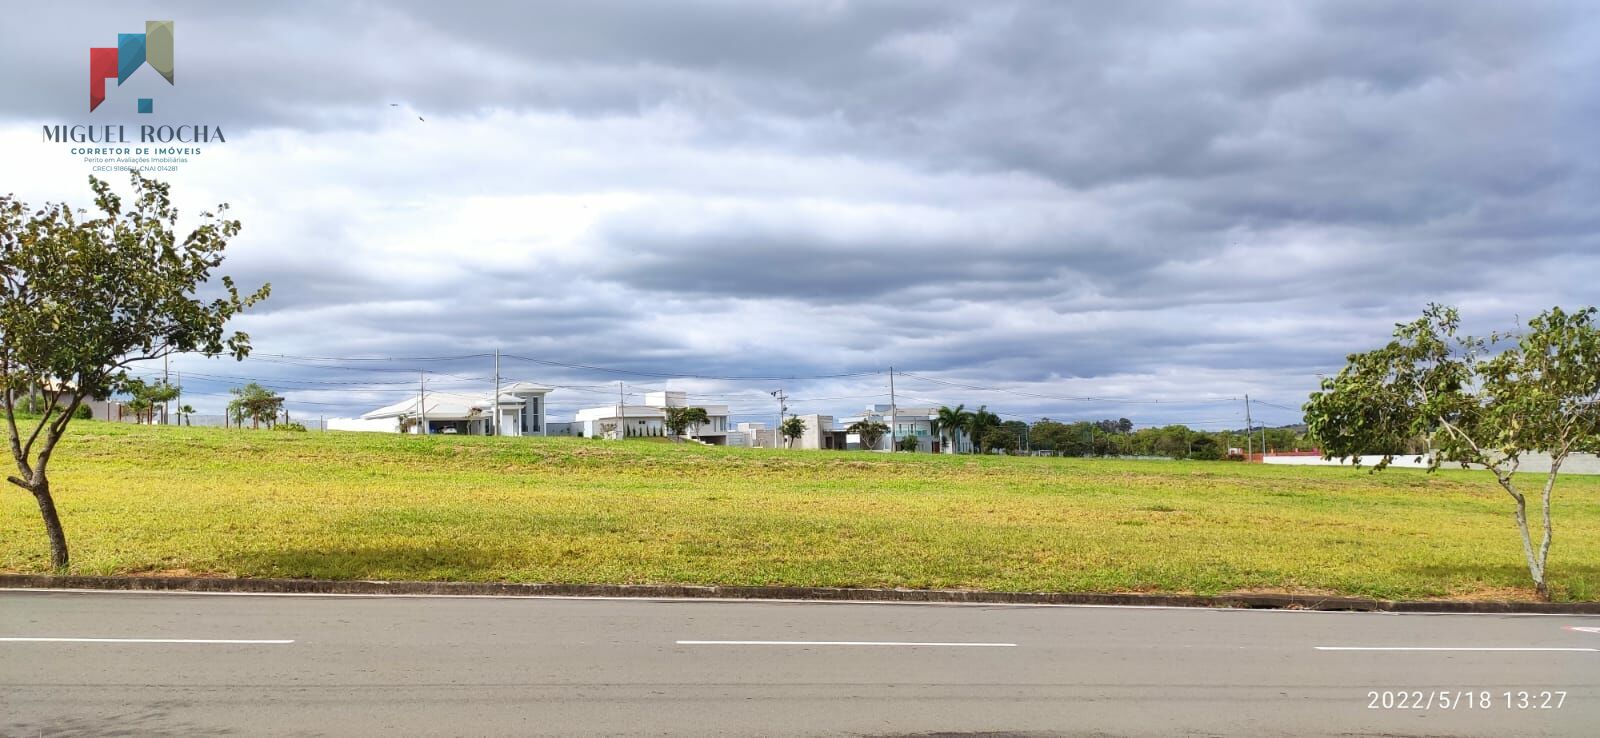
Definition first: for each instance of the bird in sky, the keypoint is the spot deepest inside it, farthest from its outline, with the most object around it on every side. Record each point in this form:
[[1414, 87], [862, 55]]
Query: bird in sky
[[396, 105]]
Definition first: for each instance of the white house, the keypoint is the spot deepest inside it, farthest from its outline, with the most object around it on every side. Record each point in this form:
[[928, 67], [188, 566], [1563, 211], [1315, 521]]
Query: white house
[[522, 413], [649, 419], [821, 433], [919, 422]]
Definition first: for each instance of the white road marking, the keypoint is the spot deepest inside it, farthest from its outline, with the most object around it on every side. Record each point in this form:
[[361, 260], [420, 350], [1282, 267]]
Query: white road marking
[[786, 600], [1447, 648], [1582, 629], [843, 643], [146, 640]]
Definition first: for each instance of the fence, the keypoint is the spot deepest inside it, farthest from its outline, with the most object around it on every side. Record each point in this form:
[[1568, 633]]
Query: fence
[[1532, 463]]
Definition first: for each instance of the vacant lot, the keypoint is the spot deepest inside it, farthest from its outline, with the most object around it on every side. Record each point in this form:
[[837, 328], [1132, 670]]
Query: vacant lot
[[272, 504]]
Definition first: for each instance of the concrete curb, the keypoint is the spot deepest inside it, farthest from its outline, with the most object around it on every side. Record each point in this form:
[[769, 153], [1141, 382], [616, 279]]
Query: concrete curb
[[676, 591]]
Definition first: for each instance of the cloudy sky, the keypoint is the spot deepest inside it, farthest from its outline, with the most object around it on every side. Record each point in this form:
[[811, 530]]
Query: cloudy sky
[[1017, 204]]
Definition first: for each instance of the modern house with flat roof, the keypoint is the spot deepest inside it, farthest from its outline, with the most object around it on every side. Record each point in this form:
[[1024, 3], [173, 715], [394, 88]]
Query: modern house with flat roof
[[649, 419], [821, 433], [522, 413], [918, 422]]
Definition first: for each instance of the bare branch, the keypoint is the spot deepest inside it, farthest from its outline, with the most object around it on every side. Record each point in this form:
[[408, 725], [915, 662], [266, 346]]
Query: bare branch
[[27, 448], [1477, 451]]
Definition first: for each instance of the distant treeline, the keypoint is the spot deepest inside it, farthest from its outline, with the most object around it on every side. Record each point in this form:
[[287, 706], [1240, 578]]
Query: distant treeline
[[1118, 438]]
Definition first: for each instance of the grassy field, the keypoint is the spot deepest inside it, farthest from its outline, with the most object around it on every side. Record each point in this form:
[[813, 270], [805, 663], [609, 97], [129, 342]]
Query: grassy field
[[272, 504]]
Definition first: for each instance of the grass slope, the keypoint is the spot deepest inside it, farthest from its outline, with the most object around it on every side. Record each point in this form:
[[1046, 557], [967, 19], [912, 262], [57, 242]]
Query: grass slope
[[270, 504]]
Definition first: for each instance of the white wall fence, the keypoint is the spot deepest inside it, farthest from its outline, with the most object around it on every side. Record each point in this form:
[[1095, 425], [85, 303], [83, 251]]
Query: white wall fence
[[378, 425], [1532, 463]]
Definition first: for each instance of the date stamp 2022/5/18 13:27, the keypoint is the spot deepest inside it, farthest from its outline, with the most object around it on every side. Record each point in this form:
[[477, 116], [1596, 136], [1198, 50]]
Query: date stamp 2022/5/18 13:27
[[1465, 699]]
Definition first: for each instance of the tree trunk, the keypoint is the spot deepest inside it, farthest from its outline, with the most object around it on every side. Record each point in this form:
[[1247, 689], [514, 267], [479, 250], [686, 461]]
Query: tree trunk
[[1535, 564], [52, 525], [1544, 545]]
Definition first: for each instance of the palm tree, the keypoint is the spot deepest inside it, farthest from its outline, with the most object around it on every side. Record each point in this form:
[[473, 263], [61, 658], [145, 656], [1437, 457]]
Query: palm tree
[[184, 411], [979, 423], [950, 421], [871, 431]]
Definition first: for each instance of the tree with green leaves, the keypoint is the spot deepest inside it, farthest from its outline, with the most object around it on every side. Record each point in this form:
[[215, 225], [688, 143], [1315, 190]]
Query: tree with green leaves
[[950, 422], [870, 431], [791, 429], [1476, 402], [256, 403], [1001, 439], [84, 297], [1059, 438], [138, 403], [184, 411], [979, 423], [1018, 429], [676, 423], [1205, 447], [679, 419], [697, 417], [149, 396]]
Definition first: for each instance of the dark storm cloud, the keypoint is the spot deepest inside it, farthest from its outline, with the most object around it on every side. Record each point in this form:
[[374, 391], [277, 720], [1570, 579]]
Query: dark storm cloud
[[756, 261], [1180, 201]]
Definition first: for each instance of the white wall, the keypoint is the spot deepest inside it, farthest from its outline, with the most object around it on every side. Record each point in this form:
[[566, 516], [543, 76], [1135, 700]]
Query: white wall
[[377, 425], [1534, 463]]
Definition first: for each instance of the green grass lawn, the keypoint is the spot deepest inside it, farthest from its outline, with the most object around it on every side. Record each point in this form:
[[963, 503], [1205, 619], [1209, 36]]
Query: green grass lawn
[[371, 506]]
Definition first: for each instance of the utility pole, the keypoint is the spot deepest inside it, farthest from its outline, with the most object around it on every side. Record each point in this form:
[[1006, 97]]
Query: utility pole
[[1249, 431], [894, 414], [422, 402], [165, 365], [783, 409], [620, 431], [494, 426]]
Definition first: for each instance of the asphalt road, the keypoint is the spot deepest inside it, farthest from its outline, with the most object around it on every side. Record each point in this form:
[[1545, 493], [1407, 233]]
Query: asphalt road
[[296, 665]]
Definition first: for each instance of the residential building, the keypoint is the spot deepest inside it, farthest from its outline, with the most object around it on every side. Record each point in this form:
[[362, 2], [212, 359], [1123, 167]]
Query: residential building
[[527, 415], [820, 434], [522, 413], [918, 422], [649, 419], [758, 435]]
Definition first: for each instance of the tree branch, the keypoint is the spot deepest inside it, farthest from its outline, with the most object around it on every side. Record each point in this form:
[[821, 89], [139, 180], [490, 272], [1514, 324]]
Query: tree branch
[[27, 448], [15, 436], [57, 430], [1476, 449]]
